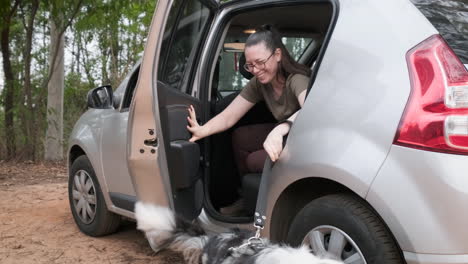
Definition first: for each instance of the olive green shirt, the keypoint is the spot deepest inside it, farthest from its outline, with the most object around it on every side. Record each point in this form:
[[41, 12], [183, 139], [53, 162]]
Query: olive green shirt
[[287, 104]]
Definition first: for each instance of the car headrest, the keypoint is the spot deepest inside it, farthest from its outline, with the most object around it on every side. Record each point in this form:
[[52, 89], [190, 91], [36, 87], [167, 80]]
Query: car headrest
[[244, 73]]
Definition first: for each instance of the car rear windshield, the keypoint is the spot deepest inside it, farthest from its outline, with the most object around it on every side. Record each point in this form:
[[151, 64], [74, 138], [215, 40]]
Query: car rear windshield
[[450, 18]]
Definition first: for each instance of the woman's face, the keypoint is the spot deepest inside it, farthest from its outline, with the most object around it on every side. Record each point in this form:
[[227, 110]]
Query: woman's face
[[257, 56]]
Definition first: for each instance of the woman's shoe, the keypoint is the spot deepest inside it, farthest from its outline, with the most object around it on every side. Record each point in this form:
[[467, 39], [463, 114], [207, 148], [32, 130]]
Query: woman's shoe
[[235, 209]]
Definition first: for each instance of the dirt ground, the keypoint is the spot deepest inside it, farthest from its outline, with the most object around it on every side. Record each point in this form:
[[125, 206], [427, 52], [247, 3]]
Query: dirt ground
[[36, 225]]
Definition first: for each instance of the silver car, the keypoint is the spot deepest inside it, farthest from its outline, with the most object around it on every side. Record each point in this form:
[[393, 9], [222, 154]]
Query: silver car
[[374, 169]]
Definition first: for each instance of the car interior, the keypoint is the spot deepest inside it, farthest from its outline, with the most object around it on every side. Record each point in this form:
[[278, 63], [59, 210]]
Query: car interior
[[303, 29]]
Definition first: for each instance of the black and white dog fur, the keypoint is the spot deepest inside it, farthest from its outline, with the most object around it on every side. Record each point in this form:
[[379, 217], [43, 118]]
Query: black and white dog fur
[[165, 230]]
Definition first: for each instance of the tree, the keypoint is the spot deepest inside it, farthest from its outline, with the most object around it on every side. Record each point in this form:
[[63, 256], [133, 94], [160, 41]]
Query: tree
[[55, 81], [8, 10], [29, 116], [54, 134]]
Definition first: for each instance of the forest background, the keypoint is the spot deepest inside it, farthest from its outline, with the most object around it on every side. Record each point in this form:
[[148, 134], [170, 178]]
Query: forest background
[[94, 43], [90, 43]]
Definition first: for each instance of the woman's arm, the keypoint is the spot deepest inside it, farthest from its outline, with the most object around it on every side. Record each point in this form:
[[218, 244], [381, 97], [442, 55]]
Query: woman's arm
[[221, 122], [273, 144]]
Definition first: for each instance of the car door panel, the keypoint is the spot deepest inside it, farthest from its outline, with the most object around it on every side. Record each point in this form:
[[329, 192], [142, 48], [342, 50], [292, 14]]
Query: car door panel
[[144, 161], [183, 157], [164, 165], [114, 142]]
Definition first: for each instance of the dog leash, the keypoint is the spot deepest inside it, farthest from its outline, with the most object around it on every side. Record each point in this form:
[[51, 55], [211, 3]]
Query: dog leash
[[255, 242], [259, 218], [260, 215]]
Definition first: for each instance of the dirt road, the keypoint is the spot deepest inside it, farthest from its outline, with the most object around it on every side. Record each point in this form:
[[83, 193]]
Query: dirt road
[[36, 225]]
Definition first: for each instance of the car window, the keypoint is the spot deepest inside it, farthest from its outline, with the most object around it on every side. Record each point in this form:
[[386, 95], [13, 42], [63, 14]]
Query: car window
[[128, 96], [181, 38], [449, 18], [231, 79]]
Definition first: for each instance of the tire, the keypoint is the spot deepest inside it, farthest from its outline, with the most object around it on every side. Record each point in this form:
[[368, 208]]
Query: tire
[[343, 227], [87, 202]]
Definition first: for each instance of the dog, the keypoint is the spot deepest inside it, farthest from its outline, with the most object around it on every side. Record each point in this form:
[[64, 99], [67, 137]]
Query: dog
[[166, 230]]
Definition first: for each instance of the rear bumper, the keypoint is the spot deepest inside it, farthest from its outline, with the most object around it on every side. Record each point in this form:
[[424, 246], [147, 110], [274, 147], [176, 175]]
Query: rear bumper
[[423, 198], [413, 258]]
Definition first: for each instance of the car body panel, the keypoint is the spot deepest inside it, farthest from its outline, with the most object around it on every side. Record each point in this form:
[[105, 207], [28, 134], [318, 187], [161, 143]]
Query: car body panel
[[421, 192], [413, 258], [114, 148], [87, 135], [354, 107], [114, 141]]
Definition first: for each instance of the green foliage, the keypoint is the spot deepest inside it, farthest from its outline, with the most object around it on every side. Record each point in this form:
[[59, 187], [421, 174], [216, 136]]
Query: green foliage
[[103, 41], [101, 29], [74, 101]]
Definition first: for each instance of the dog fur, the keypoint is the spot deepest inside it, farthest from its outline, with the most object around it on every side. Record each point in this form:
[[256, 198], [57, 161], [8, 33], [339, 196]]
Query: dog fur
[[165, 230]]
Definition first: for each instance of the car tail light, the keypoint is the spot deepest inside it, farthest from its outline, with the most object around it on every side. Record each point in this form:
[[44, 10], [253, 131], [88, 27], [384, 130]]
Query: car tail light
[[436, 115]]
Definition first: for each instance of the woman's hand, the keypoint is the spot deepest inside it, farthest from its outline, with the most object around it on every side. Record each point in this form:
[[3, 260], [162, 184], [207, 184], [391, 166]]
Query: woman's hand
[[193, 125], [273, 144]]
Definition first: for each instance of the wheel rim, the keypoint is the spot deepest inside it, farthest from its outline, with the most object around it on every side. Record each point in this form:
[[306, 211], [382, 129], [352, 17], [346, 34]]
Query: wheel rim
[[84, 196], [331, 242]]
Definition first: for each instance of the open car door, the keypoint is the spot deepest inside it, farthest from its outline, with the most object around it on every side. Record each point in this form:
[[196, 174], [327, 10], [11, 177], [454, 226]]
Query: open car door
[[164, 166]]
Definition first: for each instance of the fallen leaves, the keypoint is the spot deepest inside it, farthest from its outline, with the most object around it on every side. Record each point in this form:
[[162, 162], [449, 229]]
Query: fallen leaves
[[29, 173]]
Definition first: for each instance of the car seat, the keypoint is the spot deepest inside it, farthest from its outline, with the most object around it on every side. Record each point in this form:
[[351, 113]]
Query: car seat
[[250, 187]]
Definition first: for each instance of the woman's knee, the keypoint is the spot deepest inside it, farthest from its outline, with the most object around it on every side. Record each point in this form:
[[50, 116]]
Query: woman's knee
[[256, 160], [251, 137]]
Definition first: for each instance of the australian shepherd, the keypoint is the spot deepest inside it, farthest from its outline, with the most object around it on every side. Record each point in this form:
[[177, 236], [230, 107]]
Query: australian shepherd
[[165, 230]]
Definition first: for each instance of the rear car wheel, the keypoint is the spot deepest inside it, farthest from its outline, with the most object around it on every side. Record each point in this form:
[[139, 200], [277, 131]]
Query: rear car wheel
[[87, 202], [342, 227]]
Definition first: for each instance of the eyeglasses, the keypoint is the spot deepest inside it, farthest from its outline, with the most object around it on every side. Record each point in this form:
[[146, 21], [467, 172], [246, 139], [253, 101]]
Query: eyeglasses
[[260, 65]]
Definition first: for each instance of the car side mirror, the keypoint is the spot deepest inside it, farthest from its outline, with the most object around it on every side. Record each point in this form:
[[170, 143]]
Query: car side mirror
[[101, 97]]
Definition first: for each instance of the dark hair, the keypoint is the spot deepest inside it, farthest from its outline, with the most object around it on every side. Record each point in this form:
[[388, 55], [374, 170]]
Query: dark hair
[[272, 40]]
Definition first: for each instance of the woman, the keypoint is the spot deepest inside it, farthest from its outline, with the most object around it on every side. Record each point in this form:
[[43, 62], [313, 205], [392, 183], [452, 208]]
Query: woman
[[278, 80]]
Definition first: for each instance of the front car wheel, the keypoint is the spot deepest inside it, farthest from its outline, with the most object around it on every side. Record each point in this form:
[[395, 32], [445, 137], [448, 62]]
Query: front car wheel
[[87, 201], [84, 196]]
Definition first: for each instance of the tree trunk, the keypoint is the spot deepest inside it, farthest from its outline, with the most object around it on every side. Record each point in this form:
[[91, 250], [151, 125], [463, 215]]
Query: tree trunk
[[86, 64], [54, 132], [104, 47], [30, 133], [9, 83], [75, 47], [78, 51], [114, 53]]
